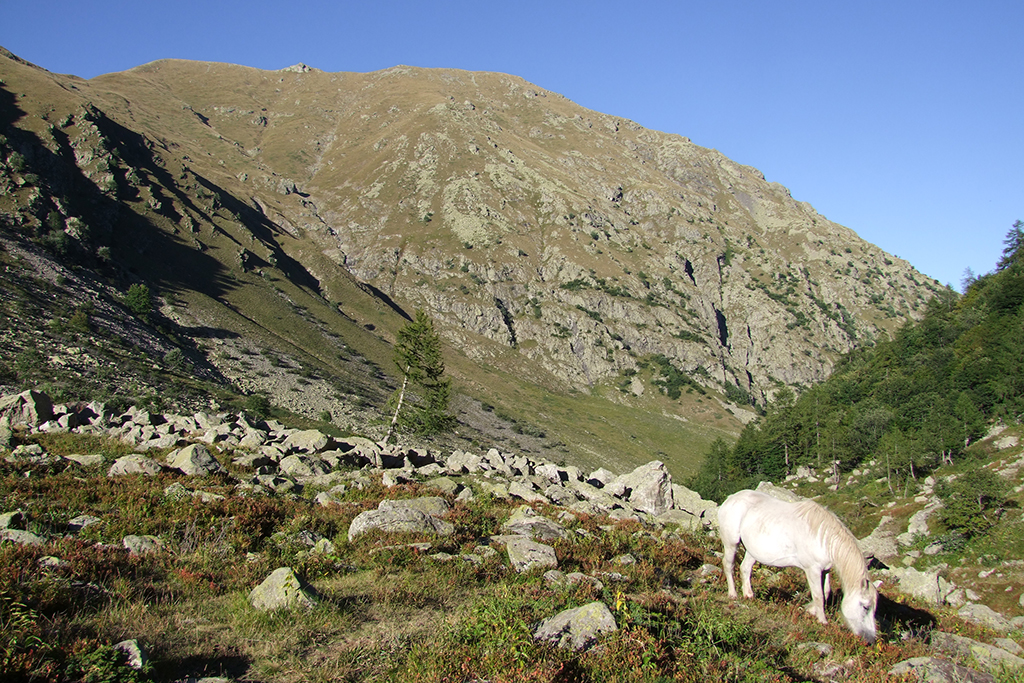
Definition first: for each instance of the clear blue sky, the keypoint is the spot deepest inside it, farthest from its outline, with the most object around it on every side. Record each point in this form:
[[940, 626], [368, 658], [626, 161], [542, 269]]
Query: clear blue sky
[[903, 120]]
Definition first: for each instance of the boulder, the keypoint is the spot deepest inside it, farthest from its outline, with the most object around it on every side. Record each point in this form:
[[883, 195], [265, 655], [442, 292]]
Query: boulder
[[577, 628], [600, 477], [137, 657], [194, 460], [13, 520], [282, 590], [524, 490], [78, 523], [140, 545], [431, 505], [926, 585], [690, 501], [648, 488], [779, 492], [94, 460], [526, 522], [918, 524], [881, 543], [6, 434], [683, 519], [525, 554], [988, 657], [29, 408], [393, 516], [934, 670], [21, 537], [444, 485], [134, 464], [985, 616], [460, 462], [302, 466], [306, 441]]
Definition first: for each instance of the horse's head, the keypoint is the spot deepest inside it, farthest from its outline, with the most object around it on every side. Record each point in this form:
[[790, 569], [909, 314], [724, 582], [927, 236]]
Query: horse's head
[[859, 610]]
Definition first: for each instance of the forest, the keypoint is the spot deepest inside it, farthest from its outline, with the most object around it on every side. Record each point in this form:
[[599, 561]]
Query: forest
[[911, 404]]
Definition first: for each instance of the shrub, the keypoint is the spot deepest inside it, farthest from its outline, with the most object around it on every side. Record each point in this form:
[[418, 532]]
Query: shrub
[[972, 502], [258, 406], [138, 300]]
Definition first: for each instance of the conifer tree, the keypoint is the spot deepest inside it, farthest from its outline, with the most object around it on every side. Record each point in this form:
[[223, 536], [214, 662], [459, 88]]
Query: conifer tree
[[1014, 250], [419, 359]]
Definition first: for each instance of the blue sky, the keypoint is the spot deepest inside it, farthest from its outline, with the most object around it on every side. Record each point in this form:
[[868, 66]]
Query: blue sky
[[901, 120]]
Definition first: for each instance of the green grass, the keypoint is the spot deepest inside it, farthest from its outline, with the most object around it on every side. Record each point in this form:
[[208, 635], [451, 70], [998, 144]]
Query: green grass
[[386, 612]]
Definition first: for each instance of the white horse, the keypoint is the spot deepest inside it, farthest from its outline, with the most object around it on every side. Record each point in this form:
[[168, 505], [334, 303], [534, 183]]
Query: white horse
[[803, 535]]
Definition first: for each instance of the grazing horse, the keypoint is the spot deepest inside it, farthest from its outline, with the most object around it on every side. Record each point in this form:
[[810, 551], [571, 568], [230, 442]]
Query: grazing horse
[[803, 535]]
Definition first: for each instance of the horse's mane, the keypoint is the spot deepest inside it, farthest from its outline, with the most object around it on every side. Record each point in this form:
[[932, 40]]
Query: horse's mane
[[839, 541]]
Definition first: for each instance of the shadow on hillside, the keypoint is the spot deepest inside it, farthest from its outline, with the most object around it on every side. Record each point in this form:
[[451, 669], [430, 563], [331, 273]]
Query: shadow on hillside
[[896, 619], [207, 332], [230, 666]]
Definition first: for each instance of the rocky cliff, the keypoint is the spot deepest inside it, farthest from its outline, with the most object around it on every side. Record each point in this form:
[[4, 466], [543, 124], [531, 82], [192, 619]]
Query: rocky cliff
[[556, 247], [515, 217]]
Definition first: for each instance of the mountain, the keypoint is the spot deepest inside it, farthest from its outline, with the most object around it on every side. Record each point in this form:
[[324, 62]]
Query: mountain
[[617, 293]]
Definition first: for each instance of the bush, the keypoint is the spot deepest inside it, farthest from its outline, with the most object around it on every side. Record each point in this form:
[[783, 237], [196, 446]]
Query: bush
[[138, 300], [258, 406], [972, 502]]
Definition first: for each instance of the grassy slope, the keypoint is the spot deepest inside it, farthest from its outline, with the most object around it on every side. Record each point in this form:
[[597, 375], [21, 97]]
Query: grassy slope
[[392, 614]]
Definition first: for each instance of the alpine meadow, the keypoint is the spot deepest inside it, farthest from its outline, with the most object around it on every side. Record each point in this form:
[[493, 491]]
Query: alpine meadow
[[434, 375]]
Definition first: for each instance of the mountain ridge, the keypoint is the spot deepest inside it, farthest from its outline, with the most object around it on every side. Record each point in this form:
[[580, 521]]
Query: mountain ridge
[[574, 249]]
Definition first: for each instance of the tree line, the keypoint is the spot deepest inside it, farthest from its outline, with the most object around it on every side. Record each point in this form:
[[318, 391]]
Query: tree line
[[911, 403]]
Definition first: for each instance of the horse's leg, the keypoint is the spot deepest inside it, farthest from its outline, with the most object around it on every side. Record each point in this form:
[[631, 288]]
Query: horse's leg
[[828, 585], [817, 606], [728, 561], [745, 569]]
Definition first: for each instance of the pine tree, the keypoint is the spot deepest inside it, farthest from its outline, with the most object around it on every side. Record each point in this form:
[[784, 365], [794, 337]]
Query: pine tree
[[1014, 242], [419, 359]]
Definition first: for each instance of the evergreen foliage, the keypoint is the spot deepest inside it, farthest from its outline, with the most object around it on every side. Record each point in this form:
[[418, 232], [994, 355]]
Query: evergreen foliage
[[911, 403], [418, 356], [138, 300]]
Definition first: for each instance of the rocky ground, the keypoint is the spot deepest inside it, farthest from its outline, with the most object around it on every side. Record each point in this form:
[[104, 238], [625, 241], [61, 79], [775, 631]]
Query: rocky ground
[[281, 461]]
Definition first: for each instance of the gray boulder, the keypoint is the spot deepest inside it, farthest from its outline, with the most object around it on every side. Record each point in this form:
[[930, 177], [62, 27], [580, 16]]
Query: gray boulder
[[577, 628], [21, 537], [779, 492], [81, 521], [6, 434], [985, 616], [934, 670], [137, 657], [918, 524], [94, 460], [431, 505], [690, 501], [525, 554], [302, 466], [13, 520], [393, 516], [29, 408], [648, 488], [926, 585], [282, 590], [306, 441], [526, 522], [881, 543], [194, 460], [681, 518], [460, 462], [524, 490], [140, 545], [987, 656], [134, 464]]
